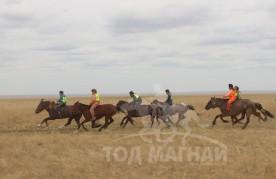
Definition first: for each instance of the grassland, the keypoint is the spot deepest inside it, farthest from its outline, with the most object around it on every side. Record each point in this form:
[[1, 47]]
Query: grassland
[[28, 151]]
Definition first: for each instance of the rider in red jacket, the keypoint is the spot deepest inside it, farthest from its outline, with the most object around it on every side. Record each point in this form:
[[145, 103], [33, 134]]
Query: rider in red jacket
[[231, 96]]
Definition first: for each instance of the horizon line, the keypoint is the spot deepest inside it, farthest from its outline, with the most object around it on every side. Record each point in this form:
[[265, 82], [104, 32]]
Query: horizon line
[[144, 93]]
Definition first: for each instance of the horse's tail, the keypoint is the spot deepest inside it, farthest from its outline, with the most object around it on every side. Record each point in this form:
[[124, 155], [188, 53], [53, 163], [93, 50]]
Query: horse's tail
[[265, 112], [190, 107]]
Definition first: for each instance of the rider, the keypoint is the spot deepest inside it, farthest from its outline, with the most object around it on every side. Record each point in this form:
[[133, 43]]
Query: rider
[[61, 102], [136, 100], [95, 101], [168, 102], [238, 93], [231, 96]]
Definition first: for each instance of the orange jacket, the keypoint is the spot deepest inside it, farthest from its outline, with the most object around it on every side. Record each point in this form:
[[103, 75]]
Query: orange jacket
[[230, 95]]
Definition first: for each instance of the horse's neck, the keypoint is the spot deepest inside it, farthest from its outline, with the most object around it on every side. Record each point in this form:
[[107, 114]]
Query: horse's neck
[[83, 107], [222, 103]]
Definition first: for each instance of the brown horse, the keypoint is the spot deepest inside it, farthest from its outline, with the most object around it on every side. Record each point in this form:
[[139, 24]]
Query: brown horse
[[105, 110], [131, 111], [241, 106], [53, 114]]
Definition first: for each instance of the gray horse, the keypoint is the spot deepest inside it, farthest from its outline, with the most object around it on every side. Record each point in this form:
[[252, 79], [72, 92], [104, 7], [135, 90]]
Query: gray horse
[[171, 110], [245, 107], [132, 111]]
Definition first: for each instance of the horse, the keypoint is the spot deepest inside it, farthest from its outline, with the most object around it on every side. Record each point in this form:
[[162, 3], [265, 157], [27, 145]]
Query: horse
[[53, 114], [105, 110], [130, 111], [173, 109], [245, 107]]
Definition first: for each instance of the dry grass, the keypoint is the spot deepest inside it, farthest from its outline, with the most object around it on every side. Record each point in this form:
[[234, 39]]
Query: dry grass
[[27, 151]]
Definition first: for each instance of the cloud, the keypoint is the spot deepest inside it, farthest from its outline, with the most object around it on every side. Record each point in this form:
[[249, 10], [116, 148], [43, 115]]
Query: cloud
[[163, 20], [135, 44], [65, 47]]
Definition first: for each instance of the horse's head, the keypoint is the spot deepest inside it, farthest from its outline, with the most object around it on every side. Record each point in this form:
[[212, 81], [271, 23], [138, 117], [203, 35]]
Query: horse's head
[[42, 106], [154, 110], [74, 108], [154, 101], [158, 103], [121, 105], [213, 103]]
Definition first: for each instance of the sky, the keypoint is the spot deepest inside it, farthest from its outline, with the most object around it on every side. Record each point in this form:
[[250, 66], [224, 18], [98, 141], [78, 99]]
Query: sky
[[123, 45]]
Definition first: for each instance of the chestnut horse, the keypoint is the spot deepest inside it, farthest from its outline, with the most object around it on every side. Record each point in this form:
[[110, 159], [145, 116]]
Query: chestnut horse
[[53, 114], [105, 110]]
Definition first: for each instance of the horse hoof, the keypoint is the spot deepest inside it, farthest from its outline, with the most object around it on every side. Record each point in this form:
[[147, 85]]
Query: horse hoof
[[76, 131], [39, 125], [60, 127]]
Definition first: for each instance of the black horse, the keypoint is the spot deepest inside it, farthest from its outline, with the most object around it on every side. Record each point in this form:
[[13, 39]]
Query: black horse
[[245, 107], [53, 114]]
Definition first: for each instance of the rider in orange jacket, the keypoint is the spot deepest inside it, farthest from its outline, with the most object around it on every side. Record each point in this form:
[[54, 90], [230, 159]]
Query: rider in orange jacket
[[231, 96]]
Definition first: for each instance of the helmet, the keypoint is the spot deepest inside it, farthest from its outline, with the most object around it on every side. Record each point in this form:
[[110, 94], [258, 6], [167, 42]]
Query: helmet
[[167, 90], [131, 92], [94, 90], [61, 92]]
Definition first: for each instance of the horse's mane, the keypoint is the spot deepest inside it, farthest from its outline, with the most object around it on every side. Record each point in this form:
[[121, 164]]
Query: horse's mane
[[222, 99], [84, 105], [156, 101], [123, 101]]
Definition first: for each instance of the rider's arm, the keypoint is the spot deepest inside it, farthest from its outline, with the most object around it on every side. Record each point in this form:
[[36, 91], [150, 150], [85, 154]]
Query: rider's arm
[[169, 99], [92, 100], [59, 99], [230, 94]]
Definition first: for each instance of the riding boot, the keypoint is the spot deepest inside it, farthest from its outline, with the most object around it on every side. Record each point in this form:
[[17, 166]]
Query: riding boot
[[93, 116], [59, 113], [228, 107]]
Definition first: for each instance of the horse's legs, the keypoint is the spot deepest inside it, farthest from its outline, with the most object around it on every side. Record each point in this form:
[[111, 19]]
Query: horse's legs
[[85, 121], [255, 113], [248, 113], [129, 119], [122, 122], [105, 124], [152, 121], [242, 118], [111, 120], [157, 119], [69, 121], [214, 121], [233, 121], [224, 121], [77, 119], [181, 117], [93, 124], [164, 120], [45, 120]]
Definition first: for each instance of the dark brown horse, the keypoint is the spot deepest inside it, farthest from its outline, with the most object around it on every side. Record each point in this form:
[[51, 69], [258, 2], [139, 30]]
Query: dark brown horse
[[242, 106], [105, 110], [131, 111], [53, 114]]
